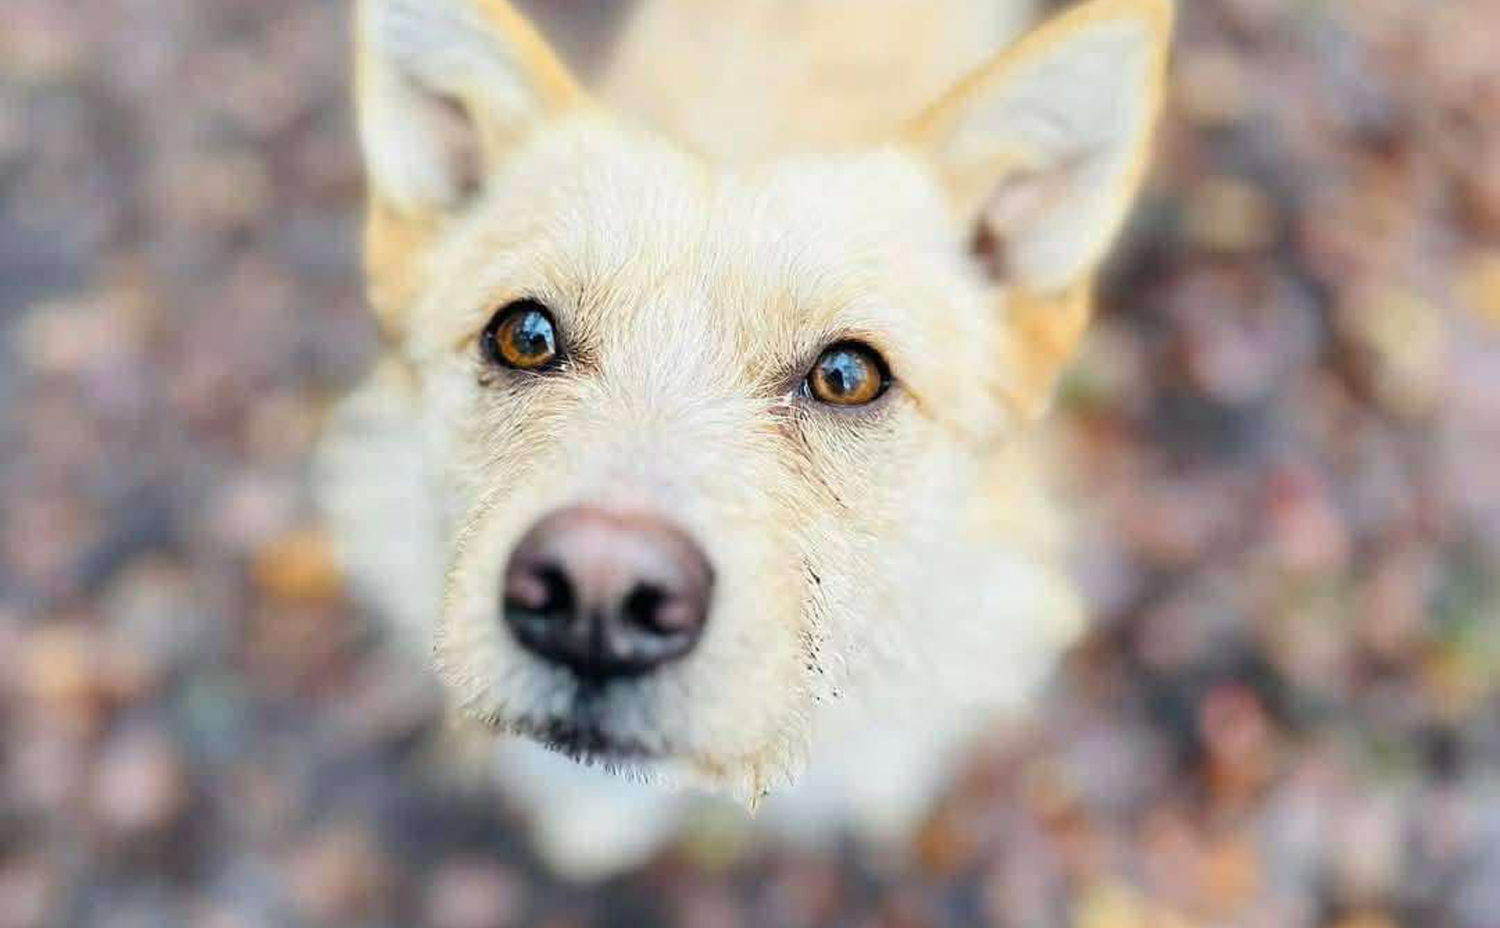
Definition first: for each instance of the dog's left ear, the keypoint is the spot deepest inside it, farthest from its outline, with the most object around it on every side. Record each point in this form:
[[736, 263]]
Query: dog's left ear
[[445, 89], [1043, 151]]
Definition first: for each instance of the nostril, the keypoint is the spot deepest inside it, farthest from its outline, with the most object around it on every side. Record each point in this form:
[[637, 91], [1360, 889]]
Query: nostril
[[642, 607], [544, 590]]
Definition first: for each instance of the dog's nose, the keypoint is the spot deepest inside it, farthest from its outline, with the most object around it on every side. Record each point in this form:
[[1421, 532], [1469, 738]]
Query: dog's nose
[[607, 595]]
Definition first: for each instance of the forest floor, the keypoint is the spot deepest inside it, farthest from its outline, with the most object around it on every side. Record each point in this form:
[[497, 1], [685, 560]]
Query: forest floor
[[1287, 425]]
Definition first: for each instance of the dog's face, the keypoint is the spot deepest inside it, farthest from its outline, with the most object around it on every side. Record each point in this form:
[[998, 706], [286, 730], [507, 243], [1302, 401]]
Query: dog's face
[[719, 444], [693, 322]]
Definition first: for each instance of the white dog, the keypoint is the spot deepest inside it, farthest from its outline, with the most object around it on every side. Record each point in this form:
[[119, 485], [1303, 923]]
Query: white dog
[[697, 451]]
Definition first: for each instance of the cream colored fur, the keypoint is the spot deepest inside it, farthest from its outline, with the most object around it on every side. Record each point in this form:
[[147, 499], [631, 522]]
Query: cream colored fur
[[761, 186]]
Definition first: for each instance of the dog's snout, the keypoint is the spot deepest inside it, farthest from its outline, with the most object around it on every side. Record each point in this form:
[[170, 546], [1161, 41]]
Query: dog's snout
[[607, 595]]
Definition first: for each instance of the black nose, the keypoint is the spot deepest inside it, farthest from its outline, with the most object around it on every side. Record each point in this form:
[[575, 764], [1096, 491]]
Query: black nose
[[606, 595]]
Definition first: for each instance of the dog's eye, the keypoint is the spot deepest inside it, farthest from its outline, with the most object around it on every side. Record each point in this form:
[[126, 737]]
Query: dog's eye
[[848, 374], [522, 335]]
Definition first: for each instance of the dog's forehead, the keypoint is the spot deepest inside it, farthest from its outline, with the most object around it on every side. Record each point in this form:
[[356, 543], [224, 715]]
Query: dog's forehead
[[650, 215], [833, 209], [631, 239]]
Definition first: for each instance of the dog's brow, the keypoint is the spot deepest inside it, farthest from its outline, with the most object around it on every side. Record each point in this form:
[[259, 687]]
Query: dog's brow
[[952, 425]]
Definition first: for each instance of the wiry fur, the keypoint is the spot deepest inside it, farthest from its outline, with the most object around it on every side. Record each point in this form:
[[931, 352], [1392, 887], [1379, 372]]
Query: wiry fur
[[892, 568]]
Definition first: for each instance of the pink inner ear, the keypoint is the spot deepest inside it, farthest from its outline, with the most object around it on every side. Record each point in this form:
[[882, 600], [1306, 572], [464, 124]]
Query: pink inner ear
[[454, 133], [1018, 202], [988, 248], [1012, 206], [1015, 200]]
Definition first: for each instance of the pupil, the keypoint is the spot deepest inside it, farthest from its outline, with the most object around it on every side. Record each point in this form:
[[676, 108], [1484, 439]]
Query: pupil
[[532, 335], [843, 373]]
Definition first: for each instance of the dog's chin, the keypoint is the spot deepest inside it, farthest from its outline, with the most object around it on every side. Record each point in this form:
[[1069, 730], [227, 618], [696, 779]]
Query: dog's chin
[[584, 739], [617, 728], [586, 726]]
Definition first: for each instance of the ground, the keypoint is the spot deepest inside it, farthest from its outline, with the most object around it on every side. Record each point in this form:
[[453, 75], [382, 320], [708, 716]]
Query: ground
[[1288, 423]]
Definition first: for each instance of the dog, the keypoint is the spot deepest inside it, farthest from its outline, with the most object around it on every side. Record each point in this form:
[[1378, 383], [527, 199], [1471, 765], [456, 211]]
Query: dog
[[698, 453]]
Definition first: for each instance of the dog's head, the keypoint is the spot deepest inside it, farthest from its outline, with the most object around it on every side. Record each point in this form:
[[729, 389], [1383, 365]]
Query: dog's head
[[722, 444]]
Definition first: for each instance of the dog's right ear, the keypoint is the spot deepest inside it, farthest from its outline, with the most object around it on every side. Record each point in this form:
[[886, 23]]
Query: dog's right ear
[[445, 88], [1042, 152]]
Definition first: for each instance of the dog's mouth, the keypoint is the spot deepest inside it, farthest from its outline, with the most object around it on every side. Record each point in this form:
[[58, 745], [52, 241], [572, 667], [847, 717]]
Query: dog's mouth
[[584, 735], [585, 742]]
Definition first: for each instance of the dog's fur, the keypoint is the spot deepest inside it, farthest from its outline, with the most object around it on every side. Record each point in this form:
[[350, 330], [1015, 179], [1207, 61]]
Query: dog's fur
[[765, 182]]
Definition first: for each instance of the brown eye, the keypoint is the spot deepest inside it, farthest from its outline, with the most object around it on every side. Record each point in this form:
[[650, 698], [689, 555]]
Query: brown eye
[[848, 374], [522, 336]]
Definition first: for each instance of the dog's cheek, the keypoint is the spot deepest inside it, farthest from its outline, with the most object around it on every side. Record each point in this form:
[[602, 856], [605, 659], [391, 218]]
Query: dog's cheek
[[864, 469], [500, 432], [500, 454], [857, 490]]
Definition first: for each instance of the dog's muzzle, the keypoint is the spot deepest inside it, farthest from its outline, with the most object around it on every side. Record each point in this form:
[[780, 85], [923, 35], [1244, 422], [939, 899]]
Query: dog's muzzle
[[606, 595]]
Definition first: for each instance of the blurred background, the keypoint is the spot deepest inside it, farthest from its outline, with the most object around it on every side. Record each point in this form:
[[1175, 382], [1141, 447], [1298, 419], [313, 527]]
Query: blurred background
[[1287, 426]]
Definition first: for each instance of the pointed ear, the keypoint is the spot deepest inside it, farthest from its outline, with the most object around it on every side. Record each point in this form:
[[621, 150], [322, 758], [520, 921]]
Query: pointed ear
[[1043, 150], [444, 88]]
